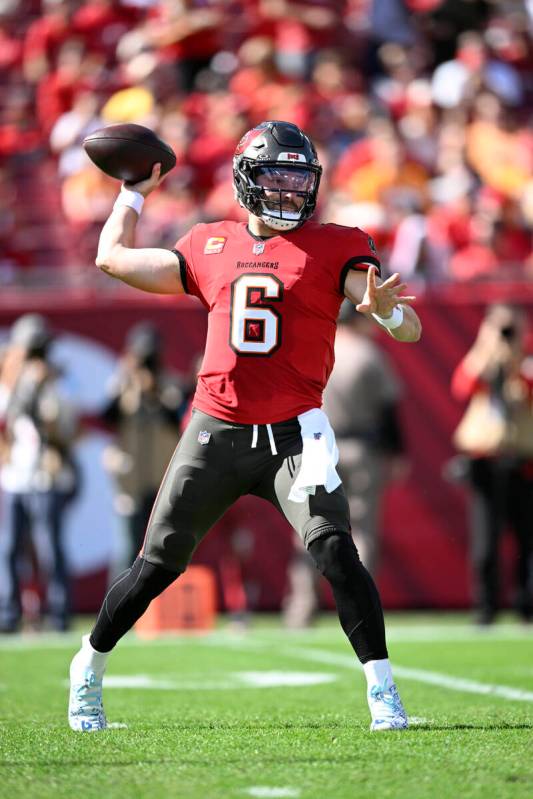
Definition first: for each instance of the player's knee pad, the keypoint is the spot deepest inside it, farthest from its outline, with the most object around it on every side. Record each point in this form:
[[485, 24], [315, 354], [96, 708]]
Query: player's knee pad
[[335, 556]]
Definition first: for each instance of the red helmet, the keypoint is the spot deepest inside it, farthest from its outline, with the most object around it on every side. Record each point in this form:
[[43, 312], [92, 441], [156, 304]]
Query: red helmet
[[275, 161]]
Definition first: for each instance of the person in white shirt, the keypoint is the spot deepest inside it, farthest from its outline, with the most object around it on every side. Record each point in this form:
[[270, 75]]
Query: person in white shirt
[[38, 476]]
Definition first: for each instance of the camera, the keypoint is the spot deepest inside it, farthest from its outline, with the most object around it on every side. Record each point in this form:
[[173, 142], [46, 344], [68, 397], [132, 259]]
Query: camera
[[508, 332]]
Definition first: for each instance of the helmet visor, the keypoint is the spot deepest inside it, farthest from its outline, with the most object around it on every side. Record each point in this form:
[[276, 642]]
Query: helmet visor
[[284, 178]]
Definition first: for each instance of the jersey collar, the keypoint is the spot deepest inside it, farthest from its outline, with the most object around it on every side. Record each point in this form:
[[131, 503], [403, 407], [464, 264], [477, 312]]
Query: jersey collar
[[260, 238], [281, 234]]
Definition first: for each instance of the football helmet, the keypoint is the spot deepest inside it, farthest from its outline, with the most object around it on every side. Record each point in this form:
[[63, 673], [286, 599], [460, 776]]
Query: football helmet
[[276, 174]]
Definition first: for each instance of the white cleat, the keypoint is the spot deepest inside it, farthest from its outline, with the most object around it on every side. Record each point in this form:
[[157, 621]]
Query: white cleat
[[85, 708], [386, 708]]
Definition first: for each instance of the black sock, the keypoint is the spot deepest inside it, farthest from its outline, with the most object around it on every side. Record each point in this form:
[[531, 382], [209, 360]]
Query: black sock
[[356, 596], [126, 601]]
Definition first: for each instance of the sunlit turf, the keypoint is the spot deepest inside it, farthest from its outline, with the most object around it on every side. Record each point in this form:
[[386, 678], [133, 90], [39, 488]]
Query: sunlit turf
[[198, 724]]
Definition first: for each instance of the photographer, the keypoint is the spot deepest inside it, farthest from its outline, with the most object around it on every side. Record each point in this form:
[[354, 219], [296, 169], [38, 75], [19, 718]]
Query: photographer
[[362, 403], [496, 434], [37, 475], [145, 407]]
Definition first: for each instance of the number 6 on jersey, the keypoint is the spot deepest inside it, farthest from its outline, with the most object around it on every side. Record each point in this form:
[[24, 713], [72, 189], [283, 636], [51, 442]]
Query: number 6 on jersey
[[255, 326]]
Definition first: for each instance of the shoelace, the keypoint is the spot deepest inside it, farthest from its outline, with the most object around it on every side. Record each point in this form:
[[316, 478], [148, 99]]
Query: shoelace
[[388, 697], [89, 694]]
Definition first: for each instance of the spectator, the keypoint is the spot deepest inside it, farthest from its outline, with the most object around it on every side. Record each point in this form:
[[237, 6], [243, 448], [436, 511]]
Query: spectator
[[379, 164], [497, 148], [44, 37], [145, 409], [21, 140], [58, 89], [101, 24], [187, 33], [69, 131], [38, 474], [496, 436], [361, 401], [10, 44], [477, 259]]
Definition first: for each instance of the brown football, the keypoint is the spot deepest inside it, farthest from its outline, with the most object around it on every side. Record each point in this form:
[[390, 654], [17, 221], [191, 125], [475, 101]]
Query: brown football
[[128, 152]]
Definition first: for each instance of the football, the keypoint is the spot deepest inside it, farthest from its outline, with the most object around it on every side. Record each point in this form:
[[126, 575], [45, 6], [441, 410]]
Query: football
[[128, 152]]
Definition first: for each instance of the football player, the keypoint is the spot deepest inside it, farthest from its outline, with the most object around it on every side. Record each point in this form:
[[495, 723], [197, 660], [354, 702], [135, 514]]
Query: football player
[[273, 288]]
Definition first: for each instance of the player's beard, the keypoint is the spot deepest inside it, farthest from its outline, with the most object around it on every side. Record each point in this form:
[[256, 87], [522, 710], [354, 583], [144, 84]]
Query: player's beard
[[284, 215]]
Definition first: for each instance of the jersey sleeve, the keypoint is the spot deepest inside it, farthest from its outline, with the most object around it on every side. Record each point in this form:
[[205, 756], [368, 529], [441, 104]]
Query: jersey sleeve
[[464, 385], [184, 252], [356, 251]]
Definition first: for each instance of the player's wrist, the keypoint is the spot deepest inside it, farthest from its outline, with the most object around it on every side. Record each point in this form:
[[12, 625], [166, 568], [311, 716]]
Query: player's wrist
[[129, 198], [393, 321]]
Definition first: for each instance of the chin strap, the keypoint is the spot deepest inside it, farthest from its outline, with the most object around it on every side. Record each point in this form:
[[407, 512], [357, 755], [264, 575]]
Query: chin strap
[[281, 224]]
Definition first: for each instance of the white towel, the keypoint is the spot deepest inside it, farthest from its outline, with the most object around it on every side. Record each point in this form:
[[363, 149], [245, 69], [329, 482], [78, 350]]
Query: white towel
[[319, 456]]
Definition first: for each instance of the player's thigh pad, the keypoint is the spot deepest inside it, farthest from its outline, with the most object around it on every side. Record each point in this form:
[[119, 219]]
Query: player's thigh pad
[[198, 487], [320, 514]]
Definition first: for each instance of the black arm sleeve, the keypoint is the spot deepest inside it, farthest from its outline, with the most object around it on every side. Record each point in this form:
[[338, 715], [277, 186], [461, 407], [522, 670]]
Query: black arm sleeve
[[183, 270], [361, 264]]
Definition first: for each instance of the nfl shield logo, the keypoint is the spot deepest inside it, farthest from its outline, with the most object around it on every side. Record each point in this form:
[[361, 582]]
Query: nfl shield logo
[[203, 437], [317, 436], [258, 248]]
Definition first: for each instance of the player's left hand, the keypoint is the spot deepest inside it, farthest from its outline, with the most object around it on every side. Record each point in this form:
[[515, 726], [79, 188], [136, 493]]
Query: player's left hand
[[382, 299]]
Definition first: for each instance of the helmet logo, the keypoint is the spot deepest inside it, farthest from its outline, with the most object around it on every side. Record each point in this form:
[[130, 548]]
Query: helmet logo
[[247, 139], [299, 157]]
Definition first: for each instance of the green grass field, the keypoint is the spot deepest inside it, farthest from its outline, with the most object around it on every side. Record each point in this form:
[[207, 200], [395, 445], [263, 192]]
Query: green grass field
[[275, 714]]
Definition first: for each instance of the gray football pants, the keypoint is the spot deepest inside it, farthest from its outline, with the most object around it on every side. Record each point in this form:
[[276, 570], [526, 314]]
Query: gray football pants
[[214, 464]]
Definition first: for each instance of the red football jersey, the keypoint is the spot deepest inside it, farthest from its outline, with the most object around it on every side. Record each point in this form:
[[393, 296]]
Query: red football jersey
[[273, 306]]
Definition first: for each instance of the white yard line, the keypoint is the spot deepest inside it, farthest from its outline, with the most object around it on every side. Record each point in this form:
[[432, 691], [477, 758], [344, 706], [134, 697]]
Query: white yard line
[[417, 675], [232, 682], [463, 685]]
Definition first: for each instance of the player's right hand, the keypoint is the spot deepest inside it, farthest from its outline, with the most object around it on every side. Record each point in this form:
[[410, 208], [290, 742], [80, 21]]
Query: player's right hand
[[382, 298], [145, 187]]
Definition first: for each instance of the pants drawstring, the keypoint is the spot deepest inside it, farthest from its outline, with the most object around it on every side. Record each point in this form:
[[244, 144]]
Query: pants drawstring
[[271, 439], [255, 435]]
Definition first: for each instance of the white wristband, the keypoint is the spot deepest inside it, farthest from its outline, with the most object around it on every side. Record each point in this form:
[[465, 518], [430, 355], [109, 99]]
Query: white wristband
[[393, 321], [129, 199]]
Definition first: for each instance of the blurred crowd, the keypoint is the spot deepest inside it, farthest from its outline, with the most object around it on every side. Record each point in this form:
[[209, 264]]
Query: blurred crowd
[[420, 109]]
